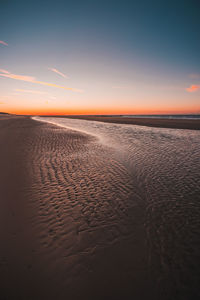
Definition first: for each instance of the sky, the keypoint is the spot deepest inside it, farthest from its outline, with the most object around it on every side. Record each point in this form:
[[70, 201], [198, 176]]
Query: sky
[[99, 57]]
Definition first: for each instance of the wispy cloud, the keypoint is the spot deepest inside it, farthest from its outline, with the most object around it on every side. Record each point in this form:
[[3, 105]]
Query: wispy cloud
[[34, 92], [120, 87], [31, 79], [3, 43], [4, 71], [18, 77], [52, 97], [30, 91], [58, 72], [194, 76], [193, 88]]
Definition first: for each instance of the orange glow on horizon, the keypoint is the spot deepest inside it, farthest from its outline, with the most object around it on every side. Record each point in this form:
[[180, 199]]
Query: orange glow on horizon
[[101, 111]]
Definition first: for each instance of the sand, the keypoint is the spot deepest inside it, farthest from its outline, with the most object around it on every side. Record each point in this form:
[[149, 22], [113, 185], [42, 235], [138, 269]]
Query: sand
[[193, 124], [55, 244], [74, 218]]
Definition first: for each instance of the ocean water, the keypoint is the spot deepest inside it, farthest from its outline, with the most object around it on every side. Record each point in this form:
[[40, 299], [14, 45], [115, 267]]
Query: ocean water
[[187, 116], [161, 116], [160, 169]]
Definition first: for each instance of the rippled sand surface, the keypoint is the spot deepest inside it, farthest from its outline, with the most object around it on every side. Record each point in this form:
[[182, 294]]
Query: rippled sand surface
[[110, 212]]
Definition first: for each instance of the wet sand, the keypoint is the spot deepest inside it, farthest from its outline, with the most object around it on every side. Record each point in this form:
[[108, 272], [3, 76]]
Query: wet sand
[[193, 124], [78, 221], [60, 240]]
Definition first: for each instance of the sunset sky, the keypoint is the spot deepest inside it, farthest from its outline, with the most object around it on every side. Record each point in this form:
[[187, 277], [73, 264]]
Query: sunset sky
[[100, 57]]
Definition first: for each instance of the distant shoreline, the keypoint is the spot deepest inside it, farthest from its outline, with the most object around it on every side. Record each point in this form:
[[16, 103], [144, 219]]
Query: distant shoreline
[[149, 121], [161, 122]]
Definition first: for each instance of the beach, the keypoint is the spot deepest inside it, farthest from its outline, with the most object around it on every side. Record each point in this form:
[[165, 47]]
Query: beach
[[162, 122], [94, 210]]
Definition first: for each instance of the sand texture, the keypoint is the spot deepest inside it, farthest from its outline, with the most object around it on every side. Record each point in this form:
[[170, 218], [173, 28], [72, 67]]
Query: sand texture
[[193, 124], [86, 214]]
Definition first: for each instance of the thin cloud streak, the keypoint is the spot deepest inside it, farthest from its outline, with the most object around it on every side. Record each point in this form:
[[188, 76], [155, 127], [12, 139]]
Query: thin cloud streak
[[193, 88], [194, 76], [120, 87], [3, 43], [4, 71], [33, 80], [58, 72], [58, 86], [18, 77], [30, 91]]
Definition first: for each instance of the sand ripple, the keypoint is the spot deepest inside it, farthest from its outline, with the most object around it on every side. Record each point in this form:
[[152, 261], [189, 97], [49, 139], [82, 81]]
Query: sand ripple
[[98, 211], [123, 176]]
